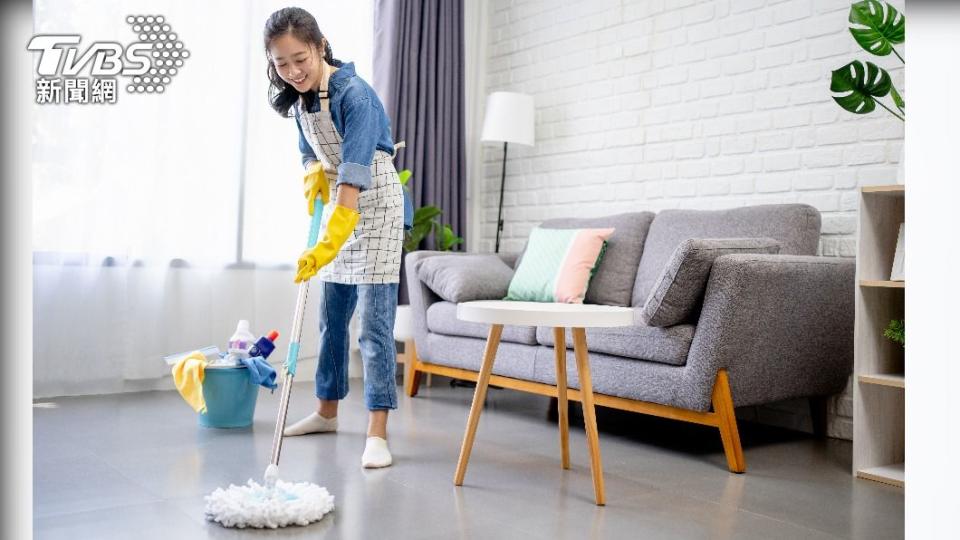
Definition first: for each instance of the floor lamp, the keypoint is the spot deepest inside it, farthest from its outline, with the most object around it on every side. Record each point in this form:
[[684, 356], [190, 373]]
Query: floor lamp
[[508, 119]]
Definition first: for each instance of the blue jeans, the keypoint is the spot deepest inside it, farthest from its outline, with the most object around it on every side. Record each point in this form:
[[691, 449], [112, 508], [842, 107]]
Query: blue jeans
[[378, 308]]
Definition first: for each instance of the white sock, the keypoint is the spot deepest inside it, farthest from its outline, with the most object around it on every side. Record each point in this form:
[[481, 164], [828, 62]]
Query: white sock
[[312, 424], [376, 454]]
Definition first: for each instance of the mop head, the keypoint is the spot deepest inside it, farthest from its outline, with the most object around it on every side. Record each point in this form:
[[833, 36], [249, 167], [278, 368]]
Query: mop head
[[274, 504]]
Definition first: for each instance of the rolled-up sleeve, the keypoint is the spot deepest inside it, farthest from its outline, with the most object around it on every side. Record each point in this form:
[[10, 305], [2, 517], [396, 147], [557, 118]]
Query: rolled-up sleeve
[[306, 151], [360, 129]]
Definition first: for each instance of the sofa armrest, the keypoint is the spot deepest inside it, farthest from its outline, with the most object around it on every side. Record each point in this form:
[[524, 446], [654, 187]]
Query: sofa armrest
[[782, 325]]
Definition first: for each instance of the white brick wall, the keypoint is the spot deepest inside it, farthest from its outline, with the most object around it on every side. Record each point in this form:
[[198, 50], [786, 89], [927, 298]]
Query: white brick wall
[[654, 104]]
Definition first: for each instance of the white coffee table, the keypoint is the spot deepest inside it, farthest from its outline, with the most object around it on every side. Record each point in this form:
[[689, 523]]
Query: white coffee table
[[574, 316]]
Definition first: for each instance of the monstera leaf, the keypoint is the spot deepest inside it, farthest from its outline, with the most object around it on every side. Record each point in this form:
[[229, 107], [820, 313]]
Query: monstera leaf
[[863, 85], [879, 29]]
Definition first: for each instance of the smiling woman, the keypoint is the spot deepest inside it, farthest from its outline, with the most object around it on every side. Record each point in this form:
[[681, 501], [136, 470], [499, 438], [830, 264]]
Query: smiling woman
[[345, 132]]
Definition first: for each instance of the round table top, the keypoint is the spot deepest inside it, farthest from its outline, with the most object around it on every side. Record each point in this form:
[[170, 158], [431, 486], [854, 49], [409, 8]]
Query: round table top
[[544, 314]]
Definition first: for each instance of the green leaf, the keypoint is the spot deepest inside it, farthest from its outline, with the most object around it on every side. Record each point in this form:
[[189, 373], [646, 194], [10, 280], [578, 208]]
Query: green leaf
[[416, 235], [421, 230], [426, 214], [404, 176], [863, 85], [896, 97], [448, 239], [879, 29]]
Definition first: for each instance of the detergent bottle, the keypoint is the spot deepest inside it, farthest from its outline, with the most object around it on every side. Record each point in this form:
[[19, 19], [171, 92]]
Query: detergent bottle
[[241, 340]]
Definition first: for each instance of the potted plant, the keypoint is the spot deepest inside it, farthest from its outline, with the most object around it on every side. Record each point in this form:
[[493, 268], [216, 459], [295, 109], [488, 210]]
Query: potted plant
[[426, 220]]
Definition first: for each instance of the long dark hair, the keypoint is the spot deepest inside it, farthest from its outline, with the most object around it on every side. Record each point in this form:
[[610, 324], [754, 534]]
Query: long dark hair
[[304, 27]]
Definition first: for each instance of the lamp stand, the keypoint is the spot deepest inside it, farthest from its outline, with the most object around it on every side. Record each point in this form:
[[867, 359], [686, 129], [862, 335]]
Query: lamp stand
[[503, 176]]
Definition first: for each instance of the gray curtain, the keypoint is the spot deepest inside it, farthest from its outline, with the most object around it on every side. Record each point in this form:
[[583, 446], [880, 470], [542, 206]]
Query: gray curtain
[[418, 73]]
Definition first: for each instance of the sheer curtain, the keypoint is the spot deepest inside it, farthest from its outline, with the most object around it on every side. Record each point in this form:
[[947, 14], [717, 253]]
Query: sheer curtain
[[152, 177], [161, 220]]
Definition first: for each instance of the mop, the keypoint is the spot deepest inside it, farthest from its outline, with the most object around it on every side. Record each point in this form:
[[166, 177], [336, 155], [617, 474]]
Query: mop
[[276, 503]]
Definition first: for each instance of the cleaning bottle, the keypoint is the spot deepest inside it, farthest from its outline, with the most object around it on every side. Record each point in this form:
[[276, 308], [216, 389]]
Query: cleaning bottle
[[241, 340], [264, 346]]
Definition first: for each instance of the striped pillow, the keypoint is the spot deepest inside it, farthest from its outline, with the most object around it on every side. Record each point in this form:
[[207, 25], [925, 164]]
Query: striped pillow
[[558, 264]]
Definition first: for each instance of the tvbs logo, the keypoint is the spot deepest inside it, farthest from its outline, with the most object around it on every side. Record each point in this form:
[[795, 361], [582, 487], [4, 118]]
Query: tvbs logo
[[148, 65], [107, 58]]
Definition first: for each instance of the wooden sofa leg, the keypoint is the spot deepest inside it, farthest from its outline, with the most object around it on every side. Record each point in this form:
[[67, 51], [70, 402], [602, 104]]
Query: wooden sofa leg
[[411, 377], [723, 407]]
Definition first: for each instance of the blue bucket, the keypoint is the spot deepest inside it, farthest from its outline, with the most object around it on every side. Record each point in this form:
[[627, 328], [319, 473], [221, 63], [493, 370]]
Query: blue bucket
[[230, 397]]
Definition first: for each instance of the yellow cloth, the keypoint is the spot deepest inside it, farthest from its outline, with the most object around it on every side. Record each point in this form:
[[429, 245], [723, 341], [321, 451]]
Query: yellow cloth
[[315, 183], [188, 376], [341, 224]]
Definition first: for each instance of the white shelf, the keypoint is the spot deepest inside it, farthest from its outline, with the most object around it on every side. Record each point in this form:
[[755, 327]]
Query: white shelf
[[887, 474]]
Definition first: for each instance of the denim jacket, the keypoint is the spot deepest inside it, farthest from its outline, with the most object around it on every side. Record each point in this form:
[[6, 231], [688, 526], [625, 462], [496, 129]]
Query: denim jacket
[[363, 125]]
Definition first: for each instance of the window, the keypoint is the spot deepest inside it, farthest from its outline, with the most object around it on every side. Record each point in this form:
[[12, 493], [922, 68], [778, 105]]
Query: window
[[158, 177]]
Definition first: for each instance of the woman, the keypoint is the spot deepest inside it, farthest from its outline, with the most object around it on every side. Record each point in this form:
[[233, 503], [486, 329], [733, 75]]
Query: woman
[[344, 135]]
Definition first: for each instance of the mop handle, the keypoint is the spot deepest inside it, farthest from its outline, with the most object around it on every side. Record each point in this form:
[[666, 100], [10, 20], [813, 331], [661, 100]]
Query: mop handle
[[293, 351], [294, 348]]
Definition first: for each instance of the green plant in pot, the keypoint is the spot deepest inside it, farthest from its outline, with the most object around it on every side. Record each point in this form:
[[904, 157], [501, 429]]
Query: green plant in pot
[[426, 220], [876, 28]]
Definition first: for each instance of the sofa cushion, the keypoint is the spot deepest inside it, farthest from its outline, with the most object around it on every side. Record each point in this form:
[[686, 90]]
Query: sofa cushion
[[795, 226], [557, 265], [639, 342], [463, 278], [613, 282], [679, 290], [442, 319]]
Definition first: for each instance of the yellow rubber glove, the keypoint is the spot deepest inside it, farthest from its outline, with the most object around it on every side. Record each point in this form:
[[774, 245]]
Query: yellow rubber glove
[[342, 222], [315, 183]]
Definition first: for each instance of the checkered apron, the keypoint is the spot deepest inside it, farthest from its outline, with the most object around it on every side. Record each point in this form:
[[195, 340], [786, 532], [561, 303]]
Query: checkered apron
[[372, 253]]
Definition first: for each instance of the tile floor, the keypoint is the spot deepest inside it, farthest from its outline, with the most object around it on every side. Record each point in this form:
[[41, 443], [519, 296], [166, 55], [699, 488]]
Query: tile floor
[[137, 466]]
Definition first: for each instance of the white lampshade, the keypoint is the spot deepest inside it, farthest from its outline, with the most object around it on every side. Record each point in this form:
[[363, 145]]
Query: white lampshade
[[509, 118]]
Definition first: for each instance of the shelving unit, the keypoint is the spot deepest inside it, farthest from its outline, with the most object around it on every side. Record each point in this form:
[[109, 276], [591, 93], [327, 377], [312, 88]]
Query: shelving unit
[[879, 367]]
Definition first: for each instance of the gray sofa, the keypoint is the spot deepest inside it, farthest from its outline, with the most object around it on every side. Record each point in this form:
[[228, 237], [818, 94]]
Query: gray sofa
[[768, 328]]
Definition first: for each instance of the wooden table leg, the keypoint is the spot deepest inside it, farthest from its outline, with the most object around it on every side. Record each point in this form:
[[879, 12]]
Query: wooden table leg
[[560, 351], [479, 395], [589, 414]]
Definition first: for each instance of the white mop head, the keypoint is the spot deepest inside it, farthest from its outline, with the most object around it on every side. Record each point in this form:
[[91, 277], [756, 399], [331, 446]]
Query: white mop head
[[253, 505]]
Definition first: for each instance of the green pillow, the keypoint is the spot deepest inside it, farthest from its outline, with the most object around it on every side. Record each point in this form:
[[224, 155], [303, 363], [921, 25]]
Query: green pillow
[[558, 264]]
